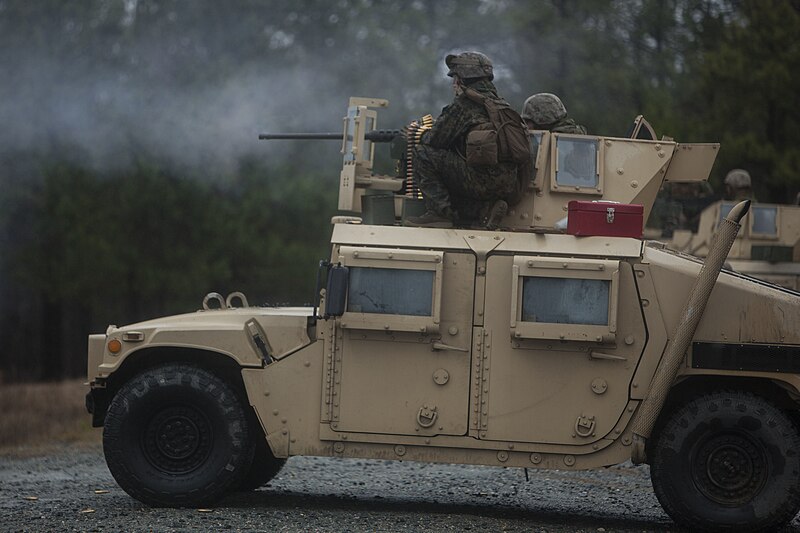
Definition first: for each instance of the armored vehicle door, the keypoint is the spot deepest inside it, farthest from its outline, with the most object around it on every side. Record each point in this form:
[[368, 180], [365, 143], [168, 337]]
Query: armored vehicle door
[[403, 344], [563, 338]]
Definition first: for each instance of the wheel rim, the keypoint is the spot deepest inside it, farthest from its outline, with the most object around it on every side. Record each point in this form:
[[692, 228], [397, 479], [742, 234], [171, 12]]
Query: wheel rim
[[730, 469], [177, 439]]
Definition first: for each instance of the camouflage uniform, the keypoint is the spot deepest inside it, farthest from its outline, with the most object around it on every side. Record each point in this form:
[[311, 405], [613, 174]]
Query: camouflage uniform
[[440, 169], [545, 111], [679, 206], [567, 125]]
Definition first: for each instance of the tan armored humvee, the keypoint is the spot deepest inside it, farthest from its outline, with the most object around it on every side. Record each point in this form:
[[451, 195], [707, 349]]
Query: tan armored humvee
[[524, 347], [767, 247]]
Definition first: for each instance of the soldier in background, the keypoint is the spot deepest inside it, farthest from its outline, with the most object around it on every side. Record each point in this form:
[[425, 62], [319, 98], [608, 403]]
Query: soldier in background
[[545, 111], [738, 185], [455, 192], [679, 206]]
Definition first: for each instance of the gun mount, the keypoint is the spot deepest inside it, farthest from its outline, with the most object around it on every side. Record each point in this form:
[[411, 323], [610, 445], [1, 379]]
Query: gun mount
[[564, 167]]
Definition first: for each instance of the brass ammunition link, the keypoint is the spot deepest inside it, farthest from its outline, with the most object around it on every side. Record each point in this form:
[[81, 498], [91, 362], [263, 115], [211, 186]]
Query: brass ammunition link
[[414, 132]]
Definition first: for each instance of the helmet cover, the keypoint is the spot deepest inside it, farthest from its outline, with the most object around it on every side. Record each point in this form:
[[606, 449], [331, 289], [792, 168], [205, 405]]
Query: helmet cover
[[468, 65], [738, 179], [543, 109]]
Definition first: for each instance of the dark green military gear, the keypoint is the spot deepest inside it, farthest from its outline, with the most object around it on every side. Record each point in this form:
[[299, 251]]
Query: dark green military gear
[[469, 65], [546, 111], [542, 109], [679, 206], [567, 125], [448, 184]]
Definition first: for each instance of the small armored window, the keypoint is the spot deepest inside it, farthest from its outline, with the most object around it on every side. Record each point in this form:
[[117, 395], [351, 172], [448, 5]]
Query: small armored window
[[765, 221], [565, 301], [390, 291], [576, 165], [539, 146], [536, 143]]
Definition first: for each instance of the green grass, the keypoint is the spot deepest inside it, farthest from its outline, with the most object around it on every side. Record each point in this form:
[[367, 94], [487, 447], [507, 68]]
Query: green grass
[[35, 415]]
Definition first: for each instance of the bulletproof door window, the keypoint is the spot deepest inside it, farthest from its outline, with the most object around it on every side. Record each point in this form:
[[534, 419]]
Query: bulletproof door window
[[566, 299], [392, 290], [764, 221]]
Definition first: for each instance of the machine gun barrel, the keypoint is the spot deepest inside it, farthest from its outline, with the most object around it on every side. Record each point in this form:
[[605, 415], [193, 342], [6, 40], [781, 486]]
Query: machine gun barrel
[[378, 136]]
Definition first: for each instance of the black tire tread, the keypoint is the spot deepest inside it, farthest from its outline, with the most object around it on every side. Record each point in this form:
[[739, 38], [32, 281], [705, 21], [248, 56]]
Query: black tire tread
[[199, 380], [743, 402]]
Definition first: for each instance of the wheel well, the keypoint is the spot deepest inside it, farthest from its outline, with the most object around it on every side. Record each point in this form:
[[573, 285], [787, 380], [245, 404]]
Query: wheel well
[[782, 395], [220, 365]]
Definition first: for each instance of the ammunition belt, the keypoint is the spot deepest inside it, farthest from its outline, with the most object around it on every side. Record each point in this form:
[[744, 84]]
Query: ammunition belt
[[414, 132]]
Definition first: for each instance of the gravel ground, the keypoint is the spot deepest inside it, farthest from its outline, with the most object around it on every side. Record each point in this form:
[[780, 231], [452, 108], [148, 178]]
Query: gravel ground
[[70, 489]]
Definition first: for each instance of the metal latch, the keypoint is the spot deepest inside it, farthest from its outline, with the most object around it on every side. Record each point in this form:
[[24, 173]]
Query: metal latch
[[259, 339], [584, 426], [610, 215], [426, 416]]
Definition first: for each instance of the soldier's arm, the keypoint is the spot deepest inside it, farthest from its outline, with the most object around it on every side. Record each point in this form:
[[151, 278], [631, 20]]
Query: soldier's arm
[[450, 127]]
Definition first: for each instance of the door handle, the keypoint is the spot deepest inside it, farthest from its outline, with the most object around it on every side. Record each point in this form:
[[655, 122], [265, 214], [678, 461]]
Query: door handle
[[442, 346]]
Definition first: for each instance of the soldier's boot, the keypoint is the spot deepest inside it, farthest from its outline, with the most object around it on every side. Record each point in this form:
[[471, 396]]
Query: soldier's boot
[[431, 219], [494, 215]]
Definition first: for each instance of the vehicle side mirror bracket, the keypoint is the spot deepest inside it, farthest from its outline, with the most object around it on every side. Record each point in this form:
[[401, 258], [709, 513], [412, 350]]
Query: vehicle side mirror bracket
[[338, 279]]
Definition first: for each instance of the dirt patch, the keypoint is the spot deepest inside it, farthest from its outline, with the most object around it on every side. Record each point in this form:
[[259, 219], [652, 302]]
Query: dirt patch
[[36, 415]]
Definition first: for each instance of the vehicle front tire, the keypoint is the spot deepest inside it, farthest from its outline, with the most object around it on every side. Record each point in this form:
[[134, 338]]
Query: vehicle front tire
[[728, 461], [177, 436], [265, 465]]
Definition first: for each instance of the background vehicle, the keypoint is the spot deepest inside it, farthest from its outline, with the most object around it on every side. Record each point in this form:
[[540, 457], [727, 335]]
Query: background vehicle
[[524, 347], [768, 247]]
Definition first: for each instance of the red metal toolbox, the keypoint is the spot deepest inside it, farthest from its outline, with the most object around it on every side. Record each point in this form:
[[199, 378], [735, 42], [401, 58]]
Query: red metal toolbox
[[605, 218]]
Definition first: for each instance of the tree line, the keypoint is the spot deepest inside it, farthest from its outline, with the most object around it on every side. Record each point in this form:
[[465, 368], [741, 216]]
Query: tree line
[[131, 183]]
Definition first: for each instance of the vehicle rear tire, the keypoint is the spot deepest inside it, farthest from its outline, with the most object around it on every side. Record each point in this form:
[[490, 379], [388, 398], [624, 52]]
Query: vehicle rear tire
[[177, 436], [265, 466], [728, 461]]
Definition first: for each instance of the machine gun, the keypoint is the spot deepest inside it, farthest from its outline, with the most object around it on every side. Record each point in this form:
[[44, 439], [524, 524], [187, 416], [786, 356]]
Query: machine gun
[[377, 136], [357, 138]]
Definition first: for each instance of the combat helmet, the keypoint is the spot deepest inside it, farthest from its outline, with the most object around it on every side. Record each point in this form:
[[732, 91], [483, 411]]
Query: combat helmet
[[468, 65], [543, 109], [738, 179]]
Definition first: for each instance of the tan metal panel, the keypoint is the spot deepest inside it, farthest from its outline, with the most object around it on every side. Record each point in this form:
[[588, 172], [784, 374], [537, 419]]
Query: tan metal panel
[[289, 418], [399, 382], [558, 392], [735, 311], [457, 239], [692, 162]]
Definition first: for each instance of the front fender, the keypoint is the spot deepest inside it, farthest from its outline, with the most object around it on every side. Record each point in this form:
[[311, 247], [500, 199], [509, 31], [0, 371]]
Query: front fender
[[224, 332]]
